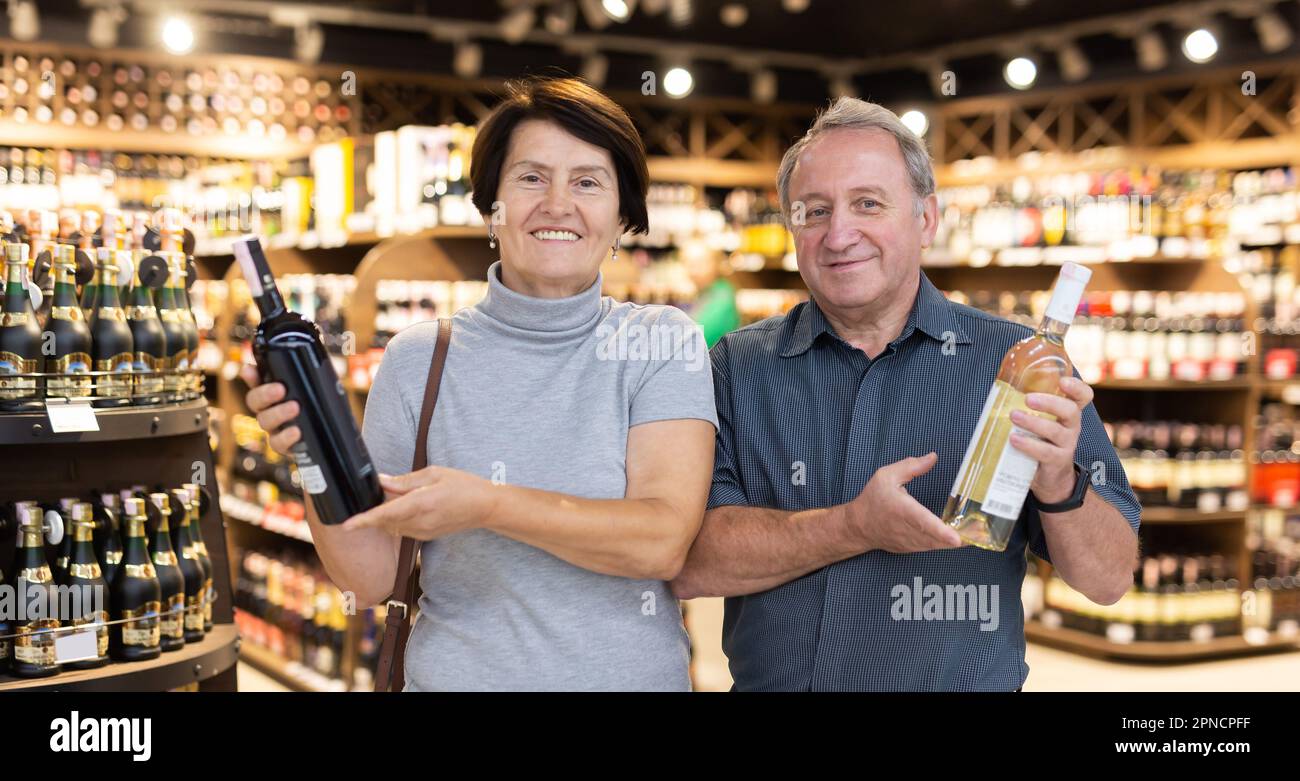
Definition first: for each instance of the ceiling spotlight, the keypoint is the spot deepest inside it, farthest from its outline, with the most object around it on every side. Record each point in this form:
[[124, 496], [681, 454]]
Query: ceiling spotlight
[[559, 18], [24, 21], [733, 14], [104, 21], [177, 35], [1200, 45], [308, 42], [653, 7], [1150, 47], [795, 6], [678, 82], [762, 86], [1073, 62], [618, 10], [467, 62], [517, 24], [1020, 73], [1274, 34], [915, 121], [595, 69]]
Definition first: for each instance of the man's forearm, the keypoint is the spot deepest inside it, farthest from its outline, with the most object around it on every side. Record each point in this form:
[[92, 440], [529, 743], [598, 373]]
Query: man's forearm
[[744, 550], [1093, 548]]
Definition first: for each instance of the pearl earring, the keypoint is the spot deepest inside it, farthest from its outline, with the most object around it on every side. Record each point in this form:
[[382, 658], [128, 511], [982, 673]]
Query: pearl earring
[[617, 243], [492, 239]]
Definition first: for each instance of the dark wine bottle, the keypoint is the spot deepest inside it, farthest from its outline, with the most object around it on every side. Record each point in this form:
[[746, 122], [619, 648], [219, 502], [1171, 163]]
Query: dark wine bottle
[[20, 337], [44, 227], [70, 336], [136, 594], [85, 579], [189, 383], [170, 580], [333, 462], [196, 577], [201, 548], [33, 654], [60, 567], [108, 539], [112, 346], [178, 343], [148, 339]]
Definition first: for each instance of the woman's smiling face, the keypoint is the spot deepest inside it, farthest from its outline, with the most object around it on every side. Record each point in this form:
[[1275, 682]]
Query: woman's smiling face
[[558, 198]]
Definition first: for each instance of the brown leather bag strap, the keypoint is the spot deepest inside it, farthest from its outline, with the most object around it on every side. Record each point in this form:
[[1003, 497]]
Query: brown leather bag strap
[[389, 673]]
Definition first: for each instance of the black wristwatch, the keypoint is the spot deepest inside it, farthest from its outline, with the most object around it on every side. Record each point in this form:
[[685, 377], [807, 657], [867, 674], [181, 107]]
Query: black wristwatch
[[1075, 500]]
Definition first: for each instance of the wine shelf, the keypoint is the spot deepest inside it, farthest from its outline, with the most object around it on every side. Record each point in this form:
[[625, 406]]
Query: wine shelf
[[1182, 515], [288, 673], [1093, 645], [209, 663], [114, 424]]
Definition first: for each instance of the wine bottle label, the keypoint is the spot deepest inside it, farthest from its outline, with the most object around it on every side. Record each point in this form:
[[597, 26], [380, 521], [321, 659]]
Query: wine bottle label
[[141, 312], [145, 570], [8, 319], [146, 368], [35, 649], [173, 617], [101, 631], [114, 313], [313, 479], [4, 649], [210, 596], [1000, 490], [118, 381], [113, 557], [12, 387], [69, 384], [194, 613], [141, 628], [85, 571]]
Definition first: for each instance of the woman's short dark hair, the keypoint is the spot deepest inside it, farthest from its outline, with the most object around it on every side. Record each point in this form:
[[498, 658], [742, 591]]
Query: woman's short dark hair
[[583, 111]]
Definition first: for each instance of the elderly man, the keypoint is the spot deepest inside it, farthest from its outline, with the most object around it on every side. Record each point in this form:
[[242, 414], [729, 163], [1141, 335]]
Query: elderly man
[[842, 427]]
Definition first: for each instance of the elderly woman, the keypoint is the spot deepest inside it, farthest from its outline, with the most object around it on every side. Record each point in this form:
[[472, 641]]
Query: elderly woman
[[572, 441]]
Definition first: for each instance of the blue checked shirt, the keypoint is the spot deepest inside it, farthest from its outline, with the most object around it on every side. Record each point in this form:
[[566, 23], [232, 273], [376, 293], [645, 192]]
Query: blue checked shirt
[[805, 419]]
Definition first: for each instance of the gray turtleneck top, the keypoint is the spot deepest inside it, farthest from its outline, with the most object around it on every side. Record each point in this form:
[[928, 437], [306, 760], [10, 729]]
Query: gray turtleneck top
[[540, 393]]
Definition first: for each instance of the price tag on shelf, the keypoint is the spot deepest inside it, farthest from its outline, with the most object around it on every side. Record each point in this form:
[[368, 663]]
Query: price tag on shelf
[[67, 415], [75, 646]]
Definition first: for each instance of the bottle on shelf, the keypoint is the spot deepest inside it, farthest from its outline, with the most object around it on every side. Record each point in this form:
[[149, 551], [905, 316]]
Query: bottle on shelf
[[107, 535], [112, 345], [33, 645], [177, 337], [994, 476], [136, 594], [148, 338], [68, 361], [86, 580], [201, 551], [20, 337], [171, 581], [60, 566]]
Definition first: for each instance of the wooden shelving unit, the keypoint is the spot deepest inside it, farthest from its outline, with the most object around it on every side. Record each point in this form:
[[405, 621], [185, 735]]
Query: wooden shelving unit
[[1185, 651]]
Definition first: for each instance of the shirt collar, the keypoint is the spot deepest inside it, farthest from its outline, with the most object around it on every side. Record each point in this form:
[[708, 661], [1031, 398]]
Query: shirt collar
[[932, 314]]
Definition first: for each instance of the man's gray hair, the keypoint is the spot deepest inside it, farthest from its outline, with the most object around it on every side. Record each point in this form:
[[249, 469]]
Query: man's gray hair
[[854, 114]]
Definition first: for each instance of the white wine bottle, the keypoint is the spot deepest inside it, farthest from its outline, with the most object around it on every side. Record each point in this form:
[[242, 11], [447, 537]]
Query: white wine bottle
[[994, 477]]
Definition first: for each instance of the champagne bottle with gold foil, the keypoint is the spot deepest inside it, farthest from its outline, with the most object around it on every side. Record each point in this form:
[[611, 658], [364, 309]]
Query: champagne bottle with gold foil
[[33, 645], [108, 539], [201, 548], [60, 567], [994, 476], [85, 580], [136, 594], [68, 336], [112, 346], [194, 387], [148, 340], [196, 577], [177, 336], [20, 337], [170, 580]]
